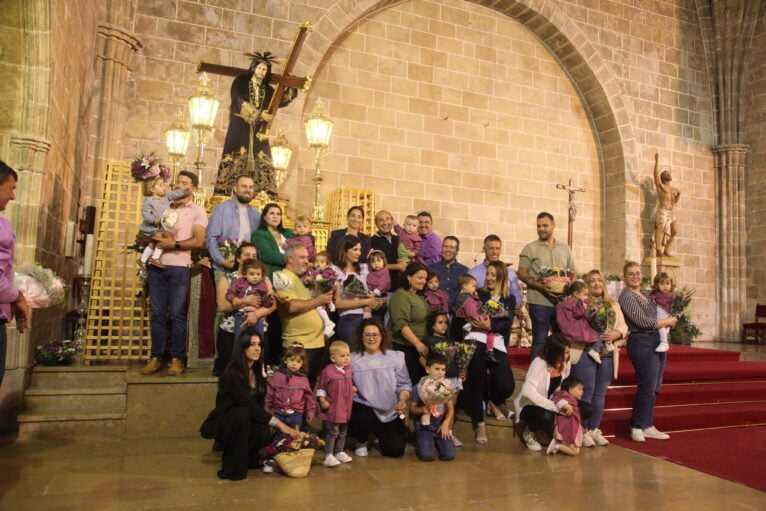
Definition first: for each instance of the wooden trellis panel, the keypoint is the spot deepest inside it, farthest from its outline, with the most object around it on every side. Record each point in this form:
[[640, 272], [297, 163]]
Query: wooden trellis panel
[[118, 326], [343, 198]]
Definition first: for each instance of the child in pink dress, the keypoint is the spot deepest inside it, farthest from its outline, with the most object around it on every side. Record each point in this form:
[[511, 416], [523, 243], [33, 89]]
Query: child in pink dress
[[378, 279], [468, 307], [572, 320], [662, 294], [436, 298], [335, 391], [303, 236], [567, 432]]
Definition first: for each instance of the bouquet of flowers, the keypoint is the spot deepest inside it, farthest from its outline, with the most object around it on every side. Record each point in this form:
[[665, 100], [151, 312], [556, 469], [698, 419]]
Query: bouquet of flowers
[[685, 330], [293, 455], [555, 279], [601, 316], [53, 353], [227, 246], [148, 167], [320, 281], [493, 309], [169, 219], [40, 286], [459, 352], [354, 287], [433, 392]]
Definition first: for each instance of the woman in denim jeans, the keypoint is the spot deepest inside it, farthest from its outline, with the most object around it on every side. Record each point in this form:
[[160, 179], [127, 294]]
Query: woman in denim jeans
[[640, 313], [597, 377]]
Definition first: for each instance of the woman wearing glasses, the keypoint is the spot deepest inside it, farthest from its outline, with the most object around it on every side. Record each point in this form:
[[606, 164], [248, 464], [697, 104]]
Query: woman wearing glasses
[[383, 390], [640, 313]]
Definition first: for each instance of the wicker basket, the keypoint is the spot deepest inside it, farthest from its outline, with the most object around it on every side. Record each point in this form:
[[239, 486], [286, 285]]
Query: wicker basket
[[557, 285], [295, 463]]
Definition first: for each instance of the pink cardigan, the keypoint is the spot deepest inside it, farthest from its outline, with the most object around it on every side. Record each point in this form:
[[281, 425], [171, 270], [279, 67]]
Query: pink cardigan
[[573, 321]]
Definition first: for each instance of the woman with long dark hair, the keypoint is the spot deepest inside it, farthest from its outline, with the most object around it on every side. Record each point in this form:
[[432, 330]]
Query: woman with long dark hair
[[354, 221], [350, 307], [409, 312], [239, 424]]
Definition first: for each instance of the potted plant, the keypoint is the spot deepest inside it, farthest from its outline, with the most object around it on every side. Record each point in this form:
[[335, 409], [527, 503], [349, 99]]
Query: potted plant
[[53, 353], [685, 330]]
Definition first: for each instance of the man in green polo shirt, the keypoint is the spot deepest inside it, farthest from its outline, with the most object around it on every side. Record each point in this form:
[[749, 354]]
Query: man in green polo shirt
[[544, 252], [301, 323]]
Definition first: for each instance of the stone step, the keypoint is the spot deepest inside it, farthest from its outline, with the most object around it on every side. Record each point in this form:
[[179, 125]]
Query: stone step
[[77, 376], [101, 424], [76, 400]]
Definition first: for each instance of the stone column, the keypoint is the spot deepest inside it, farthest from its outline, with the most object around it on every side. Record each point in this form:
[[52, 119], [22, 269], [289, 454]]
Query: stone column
[[732, 237], [116, 47]]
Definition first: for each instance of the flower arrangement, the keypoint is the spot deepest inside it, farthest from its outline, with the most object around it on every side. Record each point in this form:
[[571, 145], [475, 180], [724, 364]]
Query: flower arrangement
[[320, 281], [601, 316], [285, 443], [40, 286], [460, 352], [227, 246], [433, 392], [148, 167], [53, 353], [685, 330], [169, 219], [355, 288], [555, 279], [493, 309]]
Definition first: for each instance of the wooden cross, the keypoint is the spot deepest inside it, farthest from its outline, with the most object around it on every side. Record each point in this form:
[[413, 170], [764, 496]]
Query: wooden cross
[[571, 190], [282, 81]]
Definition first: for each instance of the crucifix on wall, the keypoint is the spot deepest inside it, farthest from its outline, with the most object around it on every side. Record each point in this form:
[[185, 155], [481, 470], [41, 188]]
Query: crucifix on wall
[[256, 96], [572, 208]]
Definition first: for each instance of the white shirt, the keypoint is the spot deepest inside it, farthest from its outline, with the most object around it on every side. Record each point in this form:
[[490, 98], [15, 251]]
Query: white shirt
[[244, 223]]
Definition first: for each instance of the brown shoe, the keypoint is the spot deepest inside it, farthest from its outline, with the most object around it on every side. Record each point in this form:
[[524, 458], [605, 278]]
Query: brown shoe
[[176, 367], [152, 366]]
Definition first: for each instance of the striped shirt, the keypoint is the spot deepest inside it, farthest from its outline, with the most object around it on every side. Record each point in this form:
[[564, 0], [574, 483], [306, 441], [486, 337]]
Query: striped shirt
[[640, 315]]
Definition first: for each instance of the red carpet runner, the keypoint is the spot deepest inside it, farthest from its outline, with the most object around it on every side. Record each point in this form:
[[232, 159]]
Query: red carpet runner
[[703, 389]]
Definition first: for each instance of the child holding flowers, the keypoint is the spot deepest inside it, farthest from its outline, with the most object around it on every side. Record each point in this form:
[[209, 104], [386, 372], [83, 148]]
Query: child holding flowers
[[431, 400], [457, 354], [572, 319], [469, 307], [154, 177], [321, 279]]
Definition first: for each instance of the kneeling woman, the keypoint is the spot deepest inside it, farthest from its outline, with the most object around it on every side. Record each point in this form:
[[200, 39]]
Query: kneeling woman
[[383, 390], [239, 423]]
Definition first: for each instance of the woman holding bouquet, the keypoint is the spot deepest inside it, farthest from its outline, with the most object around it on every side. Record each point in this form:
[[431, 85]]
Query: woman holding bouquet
[[605, 316], [497, 321], [351, 294]]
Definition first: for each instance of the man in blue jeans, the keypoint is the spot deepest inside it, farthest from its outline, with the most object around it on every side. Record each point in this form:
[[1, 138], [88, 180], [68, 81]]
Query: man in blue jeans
[[169, 281], [541, 253]]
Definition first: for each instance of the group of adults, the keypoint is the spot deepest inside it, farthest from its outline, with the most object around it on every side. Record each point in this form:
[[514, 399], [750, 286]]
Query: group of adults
[[296, 320]]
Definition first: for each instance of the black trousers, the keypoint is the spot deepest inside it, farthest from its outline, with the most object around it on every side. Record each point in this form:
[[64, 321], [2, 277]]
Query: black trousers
[[411, 360], [273, 346], [241, 439], [316, 359], [539, 419], [224, 345], [389, 434], [495, 381]]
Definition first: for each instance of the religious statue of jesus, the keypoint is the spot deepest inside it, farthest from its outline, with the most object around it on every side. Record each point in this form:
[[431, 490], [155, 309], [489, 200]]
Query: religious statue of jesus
[[665, 223], [251, 95]]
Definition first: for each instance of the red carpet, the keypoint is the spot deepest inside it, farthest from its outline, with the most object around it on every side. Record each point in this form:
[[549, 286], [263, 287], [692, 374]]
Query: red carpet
[[736, 454], [703, 389]]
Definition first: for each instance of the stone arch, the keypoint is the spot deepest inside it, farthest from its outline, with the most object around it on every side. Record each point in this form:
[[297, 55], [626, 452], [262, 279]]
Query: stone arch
[[599, 90]]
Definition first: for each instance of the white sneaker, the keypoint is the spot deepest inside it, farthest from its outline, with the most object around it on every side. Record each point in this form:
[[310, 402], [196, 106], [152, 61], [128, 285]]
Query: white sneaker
[[330, 461], [268, 466], [455, 441], [530, 441], [663, 347], [655, 434], [553, 447], [343, 457], [587, 440], [598, 437], [637, 435], [595, 356], [361, 451]]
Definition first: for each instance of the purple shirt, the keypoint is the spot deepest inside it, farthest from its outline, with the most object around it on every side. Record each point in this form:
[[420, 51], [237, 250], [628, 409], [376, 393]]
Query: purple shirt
[[437, 300], [8, 293], [430, 249]]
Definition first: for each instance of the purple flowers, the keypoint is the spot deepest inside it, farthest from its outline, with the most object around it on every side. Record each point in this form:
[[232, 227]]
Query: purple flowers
[[148, 167]]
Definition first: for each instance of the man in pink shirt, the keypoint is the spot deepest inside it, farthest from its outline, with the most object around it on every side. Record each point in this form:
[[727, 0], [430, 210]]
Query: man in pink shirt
[[12, 302], [169, 283]]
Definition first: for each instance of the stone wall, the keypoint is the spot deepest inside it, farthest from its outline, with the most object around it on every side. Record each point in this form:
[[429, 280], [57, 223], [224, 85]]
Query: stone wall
[[389, 71], [755, 135]]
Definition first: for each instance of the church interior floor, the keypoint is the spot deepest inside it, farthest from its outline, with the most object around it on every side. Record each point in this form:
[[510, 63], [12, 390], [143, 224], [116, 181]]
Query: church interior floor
[[120, 474]]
